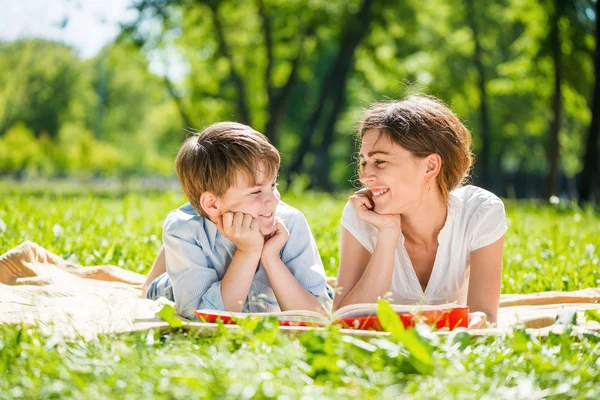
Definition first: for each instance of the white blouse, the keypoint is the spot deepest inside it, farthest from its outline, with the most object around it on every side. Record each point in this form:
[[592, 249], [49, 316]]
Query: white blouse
[[475, 219]]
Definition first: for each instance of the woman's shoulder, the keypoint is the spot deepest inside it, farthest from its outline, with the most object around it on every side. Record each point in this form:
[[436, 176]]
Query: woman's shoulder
[[471, 203], [472, 198], [481, 213]]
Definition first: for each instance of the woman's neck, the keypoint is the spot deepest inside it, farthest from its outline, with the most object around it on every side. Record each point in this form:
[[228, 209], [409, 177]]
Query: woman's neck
[[423, 224]]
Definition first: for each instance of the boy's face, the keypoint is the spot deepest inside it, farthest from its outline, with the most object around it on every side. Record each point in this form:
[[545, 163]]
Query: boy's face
[[259, 200]]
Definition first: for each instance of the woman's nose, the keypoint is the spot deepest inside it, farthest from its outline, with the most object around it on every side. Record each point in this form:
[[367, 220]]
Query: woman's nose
[[366, 176]]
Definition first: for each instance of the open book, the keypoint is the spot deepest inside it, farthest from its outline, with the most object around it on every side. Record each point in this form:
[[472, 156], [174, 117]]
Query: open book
[[356, 316]]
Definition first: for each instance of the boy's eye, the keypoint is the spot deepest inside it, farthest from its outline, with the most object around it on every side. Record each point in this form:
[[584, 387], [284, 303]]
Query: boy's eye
[[274, 184], [257, 192]]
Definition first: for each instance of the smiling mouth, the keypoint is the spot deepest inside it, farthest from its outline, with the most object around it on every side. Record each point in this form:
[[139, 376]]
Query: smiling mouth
[[268, 215], [378, 192]]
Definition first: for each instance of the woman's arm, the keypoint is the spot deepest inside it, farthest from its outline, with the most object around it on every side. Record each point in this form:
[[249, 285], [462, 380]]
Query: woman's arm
[[362, 277], [485, 279]]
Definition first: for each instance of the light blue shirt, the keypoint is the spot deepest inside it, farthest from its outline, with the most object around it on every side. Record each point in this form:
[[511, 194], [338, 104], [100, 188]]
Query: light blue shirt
[[198, 255]]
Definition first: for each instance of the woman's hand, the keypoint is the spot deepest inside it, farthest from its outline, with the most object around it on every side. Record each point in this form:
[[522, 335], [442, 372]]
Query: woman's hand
[[478, 320], [363, 204]]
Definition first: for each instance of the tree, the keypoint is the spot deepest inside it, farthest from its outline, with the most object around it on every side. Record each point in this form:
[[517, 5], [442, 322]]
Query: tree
[[483, 102], [39, 90], [590, 175], [553, 138]]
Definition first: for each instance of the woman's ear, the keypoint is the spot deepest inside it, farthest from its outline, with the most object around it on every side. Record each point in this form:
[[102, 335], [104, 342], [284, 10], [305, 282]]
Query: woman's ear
[[433, 165], [208, 201]]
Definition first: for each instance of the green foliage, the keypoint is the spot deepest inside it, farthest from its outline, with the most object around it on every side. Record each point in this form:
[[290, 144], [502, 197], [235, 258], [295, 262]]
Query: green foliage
[[120, 227], [408, 337], [264, 363], [167, 313], [237, 69], [28, 156]]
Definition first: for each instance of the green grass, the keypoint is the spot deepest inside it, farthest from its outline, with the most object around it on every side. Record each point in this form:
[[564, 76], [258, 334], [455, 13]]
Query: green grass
[[547, 248]]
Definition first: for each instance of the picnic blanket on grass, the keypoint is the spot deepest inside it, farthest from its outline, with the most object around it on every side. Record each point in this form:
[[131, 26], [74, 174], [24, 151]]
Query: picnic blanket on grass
[[40, 288]]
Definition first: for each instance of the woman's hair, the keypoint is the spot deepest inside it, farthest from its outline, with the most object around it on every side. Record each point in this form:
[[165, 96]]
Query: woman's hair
[[423, 126]]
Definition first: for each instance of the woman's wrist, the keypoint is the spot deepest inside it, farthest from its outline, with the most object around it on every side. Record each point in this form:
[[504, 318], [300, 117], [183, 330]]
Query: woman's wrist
[[389, 233]]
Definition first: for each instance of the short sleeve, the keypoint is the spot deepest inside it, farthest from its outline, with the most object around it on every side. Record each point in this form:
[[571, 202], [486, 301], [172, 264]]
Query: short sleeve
[[488, 224], [361, 231]]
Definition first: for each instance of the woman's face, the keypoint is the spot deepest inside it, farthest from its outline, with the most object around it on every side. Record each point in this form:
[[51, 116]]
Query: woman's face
[[394, 176]]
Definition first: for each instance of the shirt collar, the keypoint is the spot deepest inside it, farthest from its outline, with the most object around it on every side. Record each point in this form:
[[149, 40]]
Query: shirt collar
[[211, 231]]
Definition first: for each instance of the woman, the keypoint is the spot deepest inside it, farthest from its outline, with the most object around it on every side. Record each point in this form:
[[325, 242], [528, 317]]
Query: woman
[[414, 231]]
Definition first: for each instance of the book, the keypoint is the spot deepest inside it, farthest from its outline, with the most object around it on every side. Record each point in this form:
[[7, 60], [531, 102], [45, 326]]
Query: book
[[355, 316]]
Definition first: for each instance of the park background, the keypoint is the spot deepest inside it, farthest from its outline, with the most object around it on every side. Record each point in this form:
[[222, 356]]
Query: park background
[[97, 97], [96, 91]]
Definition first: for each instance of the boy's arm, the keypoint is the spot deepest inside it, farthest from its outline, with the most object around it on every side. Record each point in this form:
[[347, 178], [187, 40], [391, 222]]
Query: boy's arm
[[289, 292], [296, 274], [238, 278], [242, 230], [195, 284]]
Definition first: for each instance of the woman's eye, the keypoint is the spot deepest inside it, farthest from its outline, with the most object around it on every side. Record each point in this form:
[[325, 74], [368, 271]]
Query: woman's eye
[[363, 164], [379, 162]]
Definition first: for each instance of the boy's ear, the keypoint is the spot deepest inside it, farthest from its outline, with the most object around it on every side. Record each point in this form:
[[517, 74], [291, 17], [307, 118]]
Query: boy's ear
[[208, 201]]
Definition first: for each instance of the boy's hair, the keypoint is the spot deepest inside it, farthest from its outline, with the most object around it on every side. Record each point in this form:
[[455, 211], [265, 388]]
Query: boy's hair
[[209, 160], [423, 126]]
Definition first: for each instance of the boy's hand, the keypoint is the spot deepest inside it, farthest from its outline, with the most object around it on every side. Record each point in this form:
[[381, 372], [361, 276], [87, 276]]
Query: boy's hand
[[364, 206], [275, 240], [242, 230]]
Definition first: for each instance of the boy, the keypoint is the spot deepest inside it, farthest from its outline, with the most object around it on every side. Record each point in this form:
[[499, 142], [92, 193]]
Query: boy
[[235, 246]]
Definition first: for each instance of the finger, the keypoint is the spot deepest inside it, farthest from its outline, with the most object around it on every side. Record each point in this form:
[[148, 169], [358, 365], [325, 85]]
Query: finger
[[477, 320], [254, 224], [247, 221], [227, 220], [363, 201], [238, 218], [282, 227], [364, 192]]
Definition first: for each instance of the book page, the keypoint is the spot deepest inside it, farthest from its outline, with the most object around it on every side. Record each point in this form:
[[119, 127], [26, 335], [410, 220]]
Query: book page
[[370, 309], [289, 316]]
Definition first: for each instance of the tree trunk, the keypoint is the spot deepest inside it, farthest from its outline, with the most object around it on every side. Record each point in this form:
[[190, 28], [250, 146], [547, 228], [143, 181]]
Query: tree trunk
[[177, 99], [241, 98], [553, 142], [101, 85], [278, 100], [589, 179], [485, 160], [333, 89]]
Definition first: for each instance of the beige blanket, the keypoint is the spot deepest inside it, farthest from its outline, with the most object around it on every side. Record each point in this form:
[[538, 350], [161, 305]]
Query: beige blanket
[[39, 287]]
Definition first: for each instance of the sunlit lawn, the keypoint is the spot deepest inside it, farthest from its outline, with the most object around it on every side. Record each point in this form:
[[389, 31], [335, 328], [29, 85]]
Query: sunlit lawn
[[547, 248]]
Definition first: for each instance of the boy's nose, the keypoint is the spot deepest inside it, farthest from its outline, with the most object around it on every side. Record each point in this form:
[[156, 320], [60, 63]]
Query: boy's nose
[[272, 198]]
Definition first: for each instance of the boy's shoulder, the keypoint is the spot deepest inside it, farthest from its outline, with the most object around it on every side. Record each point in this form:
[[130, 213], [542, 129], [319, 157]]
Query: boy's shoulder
[[181, 217], [287, 212]]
